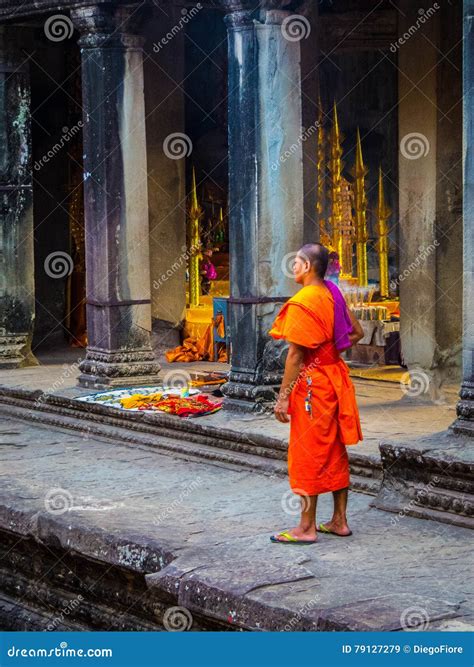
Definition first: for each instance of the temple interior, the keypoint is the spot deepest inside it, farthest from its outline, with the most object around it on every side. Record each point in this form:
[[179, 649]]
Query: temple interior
[[379, 158]]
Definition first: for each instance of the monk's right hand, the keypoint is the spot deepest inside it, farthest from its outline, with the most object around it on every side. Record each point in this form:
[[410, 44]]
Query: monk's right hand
[[281, 409]]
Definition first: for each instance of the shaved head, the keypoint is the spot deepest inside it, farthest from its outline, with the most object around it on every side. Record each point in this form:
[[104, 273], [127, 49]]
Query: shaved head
[[317, 255]]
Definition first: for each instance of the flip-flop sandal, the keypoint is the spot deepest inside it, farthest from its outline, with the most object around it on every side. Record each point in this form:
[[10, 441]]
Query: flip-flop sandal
[[322, 529], [290, 539]]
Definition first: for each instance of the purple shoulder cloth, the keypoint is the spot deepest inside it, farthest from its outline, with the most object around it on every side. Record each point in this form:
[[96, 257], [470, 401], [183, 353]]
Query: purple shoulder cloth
[[342, 321]]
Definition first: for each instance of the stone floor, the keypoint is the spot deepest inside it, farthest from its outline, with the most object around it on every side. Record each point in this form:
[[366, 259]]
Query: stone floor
[[386, 410], [215, 520]]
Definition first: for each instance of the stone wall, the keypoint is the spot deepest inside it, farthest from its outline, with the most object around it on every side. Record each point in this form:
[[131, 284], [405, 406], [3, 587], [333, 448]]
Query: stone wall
[[17, 305], [164, 110]]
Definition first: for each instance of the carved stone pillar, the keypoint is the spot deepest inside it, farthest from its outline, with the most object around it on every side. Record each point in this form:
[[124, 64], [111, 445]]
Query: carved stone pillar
[[465, 407], [265, 189], [116, 200], [17, 287]]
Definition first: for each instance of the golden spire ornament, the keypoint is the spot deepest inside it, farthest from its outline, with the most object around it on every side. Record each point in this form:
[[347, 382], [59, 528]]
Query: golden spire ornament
[[383, 214], [220, 231], [360, 205], [195, 214], [335, 167], [324, 237], [347, 229]]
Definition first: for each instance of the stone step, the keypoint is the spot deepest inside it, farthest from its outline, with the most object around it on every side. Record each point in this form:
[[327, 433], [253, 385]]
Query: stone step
[[46, 587], [168, 434], [430, 478], [197, 537], [146, 437], [18, 615]]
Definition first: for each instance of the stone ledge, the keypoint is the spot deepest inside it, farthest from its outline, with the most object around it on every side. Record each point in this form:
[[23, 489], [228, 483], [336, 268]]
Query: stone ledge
[[133, 542], [21, 617], [225, 594], [162, 432], [11, 8], [429, 478], [114, 548], [134, 420], [383, 613], [216, 584]]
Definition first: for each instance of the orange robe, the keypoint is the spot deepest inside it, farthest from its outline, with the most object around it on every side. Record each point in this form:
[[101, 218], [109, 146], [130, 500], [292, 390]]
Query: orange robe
[[317, 456]]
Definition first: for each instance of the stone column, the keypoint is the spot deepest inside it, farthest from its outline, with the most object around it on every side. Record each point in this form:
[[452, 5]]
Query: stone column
[[265, 190], [417, 128], [116, 200], [430, 194], [17, 287], [449, 217], [465, 407]]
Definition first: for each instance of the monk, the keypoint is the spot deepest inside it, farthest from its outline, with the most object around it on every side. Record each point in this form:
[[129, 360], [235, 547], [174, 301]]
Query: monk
[[317, 394]]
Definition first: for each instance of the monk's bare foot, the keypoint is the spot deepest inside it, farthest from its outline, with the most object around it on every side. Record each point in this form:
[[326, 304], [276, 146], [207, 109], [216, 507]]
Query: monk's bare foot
[[305, 535], [335, 527]]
